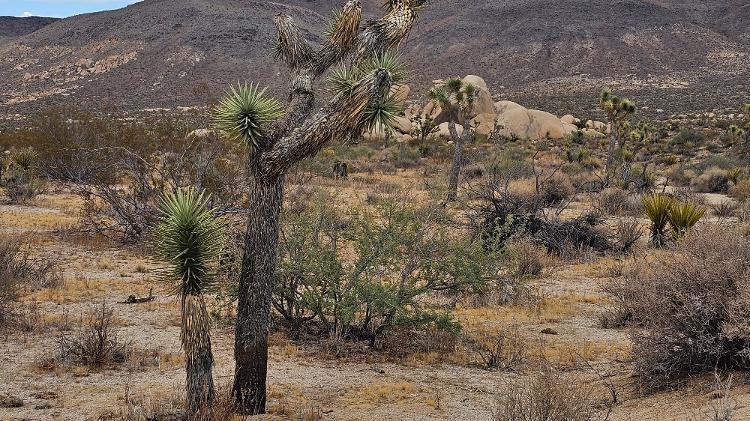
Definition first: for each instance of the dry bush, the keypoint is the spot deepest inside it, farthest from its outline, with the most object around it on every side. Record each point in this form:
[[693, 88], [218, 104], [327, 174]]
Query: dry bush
[[527, 258], [503, 349], [712, 180], [96, 344], [725, 209], [18, 274], [547, 396], [614, 201], [627, 234], [556, 190], [691, 307], [741, 190]]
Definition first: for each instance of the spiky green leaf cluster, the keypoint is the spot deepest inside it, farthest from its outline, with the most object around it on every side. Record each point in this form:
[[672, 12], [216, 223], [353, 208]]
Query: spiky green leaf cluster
[[188, 239], [618, 108], [683, 216], [244, 111], [665, 210], [657, 209], [380, 114], [454, 91]]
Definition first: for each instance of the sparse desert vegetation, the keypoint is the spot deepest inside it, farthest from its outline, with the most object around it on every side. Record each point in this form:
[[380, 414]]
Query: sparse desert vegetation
[[447, 254]]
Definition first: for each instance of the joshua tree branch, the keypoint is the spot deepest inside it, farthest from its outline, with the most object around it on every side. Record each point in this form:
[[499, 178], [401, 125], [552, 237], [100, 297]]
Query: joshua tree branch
[[341, 116], [306, 66]]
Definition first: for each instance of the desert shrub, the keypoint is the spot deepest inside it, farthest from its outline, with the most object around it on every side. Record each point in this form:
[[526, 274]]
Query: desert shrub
[[725, 209], [499, 349], [614, 201], [556, 190], [526, 258], [362, 272], [741, 190], [691, 307], [404, 156], [627, 233], [20, 177], [122, 166], [96, 343], [19, 274], [547, 396], [712, 180], [500, 213], [688, 138]]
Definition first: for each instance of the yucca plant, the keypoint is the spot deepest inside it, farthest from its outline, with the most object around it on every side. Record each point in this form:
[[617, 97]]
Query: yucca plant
[[456, 97], [657, 208], [618, 112], [278, 142], [244, 111], [683, 216], [188, 240]]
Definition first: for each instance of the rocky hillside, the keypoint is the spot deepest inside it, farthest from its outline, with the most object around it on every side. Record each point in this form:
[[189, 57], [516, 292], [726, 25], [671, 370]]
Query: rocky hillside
[[12, 27], [554, 55]]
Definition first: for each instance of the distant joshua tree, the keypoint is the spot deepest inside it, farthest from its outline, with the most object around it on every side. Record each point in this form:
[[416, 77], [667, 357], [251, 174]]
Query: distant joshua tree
[[456, 97], [618, 112], [189, 239], [277, 140]]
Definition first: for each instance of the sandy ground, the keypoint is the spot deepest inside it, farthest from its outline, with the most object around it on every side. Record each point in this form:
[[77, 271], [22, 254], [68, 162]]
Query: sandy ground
[[300, 380]]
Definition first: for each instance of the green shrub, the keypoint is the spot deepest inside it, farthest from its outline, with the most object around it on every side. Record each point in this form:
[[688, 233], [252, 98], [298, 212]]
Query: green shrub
[[688, 137], [360, 273], [404, 156]]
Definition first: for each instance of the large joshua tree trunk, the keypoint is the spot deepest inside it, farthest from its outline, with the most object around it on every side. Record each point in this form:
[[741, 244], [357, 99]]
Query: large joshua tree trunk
[[296, 136], [254, 307], [199, 359]]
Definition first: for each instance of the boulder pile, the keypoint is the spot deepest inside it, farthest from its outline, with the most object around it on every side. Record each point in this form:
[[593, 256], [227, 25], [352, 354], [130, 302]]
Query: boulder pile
[[504, 118]]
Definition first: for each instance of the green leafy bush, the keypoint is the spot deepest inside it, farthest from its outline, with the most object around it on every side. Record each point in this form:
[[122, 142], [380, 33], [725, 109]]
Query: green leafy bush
[[362, 272]]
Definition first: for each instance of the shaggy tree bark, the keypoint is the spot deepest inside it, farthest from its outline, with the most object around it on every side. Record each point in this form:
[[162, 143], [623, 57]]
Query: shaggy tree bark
[[296, 136], [199, 359]]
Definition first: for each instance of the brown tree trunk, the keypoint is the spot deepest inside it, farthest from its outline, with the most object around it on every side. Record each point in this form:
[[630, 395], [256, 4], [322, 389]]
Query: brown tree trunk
[[255, 289], [455, 172], [199, 359], [610, 152]]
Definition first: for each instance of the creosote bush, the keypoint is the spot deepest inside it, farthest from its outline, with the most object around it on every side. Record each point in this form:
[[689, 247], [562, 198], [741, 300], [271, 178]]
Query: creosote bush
[[359, 273], [690, 307]]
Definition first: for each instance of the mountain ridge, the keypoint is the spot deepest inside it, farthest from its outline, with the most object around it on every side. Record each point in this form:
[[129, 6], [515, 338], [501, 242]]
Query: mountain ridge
[[555, 55]]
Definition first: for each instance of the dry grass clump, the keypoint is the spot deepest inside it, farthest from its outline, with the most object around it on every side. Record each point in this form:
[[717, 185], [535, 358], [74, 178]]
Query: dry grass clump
[[741, 190], [527, 258], [690, 306], [547, 396]]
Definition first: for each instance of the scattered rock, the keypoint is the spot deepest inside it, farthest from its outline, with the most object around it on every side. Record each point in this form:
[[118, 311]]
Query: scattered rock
[[549, 331]]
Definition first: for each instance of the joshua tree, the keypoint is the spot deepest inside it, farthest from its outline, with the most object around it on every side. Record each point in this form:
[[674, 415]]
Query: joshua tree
[[456, 98], [188, 239], [618, 111], [277, 141]]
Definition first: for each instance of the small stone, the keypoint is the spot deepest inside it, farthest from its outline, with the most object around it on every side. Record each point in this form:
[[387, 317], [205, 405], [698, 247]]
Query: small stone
[[7, 401], [549, 331]]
